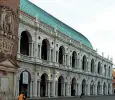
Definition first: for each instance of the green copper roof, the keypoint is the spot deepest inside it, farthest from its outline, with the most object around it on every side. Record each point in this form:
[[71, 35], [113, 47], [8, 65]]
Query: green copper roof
[[37, 12]]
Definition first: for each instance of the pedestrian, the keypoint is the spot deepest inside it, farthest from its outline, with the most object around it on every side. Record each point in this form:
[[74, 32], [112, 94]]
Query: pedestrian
[[22, 97], [81, 96]]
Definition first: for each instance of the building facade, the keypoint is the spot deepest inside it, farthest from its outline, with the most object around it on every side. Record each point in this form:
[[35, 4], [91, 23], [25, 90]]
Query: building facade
[[55, 60], [113, 80]]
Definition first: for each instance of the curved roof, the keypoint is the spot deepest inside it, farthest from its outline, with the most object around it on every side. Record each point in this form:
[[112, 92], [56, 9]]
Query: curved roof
[[37, 12]]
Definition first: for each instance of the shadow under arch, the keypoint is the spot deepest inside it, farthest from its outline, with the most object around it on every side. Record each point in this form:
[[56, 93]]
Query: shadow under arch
[[24, 83], [60, 85], [44, 85], [25, 41]]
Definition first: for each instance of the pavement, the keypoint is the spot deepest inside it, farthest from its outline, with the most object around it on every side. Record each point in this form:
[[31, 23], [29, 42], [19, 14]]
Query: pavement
[[112, 97]]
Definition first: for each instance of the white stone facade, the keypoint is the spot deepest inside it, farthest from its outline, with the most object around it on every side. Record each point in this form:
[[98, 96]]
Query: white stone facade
[[73, 80]]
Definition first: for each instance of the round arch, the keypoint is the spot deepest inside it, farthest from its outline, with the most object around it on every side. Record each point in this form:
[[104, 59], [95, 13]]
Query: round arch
[[99, 68], [92, 88], [84, 87], [92, 66], [105, 69], [109, 88], [25, 43], [45, 49], [74, 59], [61, 54], [73, 87], [84, 63], [98, 88], [43, 85], [60, 86], [104, 88], [24, 83]]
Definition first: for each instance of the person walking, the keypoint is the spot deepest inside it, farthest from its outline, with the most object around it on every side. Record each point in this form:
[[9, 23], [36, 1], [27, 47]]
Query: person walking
[[22, 97], [81, 96]]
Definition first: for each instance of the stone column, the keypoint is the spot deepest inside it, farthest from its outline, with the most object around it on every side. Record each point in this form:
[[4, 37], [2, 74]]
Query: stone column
[[57, 55], [53, 86], [111, 92], [31, 93], [80, 63], [76, 87], [17, 87], [48, 88], [15, 82], [40, 51], [95, 89], [107, 90], [101, 89], [68, 61], [57, 88], [49, 54], [35, 85], [64, 89], [88, 89], [31, 49], [79, 88], [46, 92], [39, 88], [19, 38], [67, 89]]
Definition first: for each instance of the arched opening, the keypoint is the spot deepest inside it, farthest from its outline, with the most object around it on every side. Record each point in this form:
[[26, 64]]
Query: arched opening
[[43, 85], [24, 43], [98, 88], [84, 63], [84, 87], [24, 83], [73, 87], [61, 55], [92, 66], [92, 88], [109, 71], [60, 86], [45, 49], [74, 56], [104, 89], [99, 68], [105, 70], [109, 88]]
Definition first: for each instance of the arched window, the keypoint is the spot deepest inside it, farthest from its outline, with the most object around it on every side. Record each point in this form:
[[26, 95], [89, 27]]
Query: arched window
[[74, 59], [92, 66], [98, 88], [24, 83], [25, 43], [45, 49], [91, 88], [84, 86], [60, 86], [99, 68], [104, 89], [109, 70], [73, 87], [105, 70], [43, 85], [84, 63], [61, 55]]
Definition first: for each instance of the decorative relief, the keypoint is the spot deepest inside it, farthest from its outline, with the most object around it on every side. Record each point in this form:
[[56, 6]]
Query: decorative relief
[[7, 36]]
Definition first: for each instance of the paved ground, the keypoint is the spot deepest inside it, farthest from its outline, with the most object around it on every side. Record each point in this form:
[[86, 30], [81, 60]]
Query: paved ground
[[77, 98]]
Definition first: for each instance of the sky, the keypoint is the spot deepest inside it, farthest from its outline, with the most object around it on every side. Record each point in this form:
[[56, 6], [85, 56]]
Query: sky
[[95, 19]]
